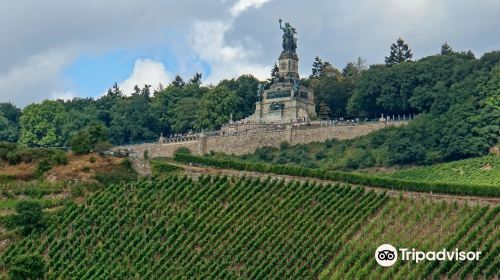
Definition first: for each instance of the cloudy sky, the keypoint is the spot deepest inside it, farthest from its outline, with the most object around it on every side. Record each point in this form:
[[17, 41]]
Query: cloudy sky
[[68, 48]]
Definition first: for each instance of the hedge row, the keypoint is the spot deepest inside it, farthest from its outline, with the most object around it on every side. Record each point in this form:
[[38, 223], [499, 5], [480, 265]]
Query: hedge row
[[159, 167], [353, 178]]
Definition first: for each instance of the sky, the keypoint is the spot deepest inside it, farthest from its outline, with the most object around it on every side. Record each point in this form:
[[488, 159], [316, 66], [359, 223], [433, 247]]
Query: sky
[[66, 48]]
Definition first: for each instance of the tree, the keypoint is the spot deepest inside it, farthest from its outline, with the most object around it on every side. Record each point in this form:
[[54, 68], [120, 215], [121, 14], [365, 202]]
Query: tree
[[317, 69], [132, 120], [9, 132], [216, 106], [400, 52], [246, 88], [196, 79], [183, 118], [42, 124], [324, 111], [28, 216], [275, 72], [446, 49], [354, 68], [85, 140], [334, 93], [350, 70], [27, 267], [178, 81]]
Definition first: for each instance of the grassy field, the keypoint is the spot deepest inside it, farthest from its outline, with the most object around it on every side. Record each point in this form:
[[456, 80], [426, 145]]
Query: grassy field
[[249, 228], [482, 170]]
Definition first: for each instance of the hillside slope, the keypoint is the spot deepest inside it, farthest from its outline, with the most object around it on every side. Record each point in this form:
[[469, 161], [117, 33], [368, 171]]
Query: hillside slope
[[482, 171], [246, 228]]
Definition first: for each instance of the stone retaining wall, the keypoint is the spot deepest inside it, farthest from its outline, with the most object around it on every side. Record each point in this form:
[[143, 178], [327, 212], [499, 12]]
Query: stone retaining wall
[[245, 143]]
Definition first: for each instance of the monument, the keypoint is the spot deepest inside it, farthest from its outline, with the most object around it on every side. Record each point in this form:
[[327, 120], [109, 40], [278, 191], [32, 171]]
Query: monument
[[284, 99]]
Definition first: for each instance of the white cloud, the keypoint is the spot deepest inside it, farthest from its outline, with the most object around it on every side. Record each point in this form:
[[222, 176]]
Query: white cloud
[[35, 78], [148, 72], [243, 5], [64, 95], [226, 59]]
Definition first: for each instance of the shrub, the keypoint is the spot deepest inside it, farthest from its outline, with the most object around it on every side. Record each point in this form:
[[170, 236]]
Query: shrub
[[42, 167], [102, 146], [121, 173], [183, 150], [28, 216], [59, 157], [127, 163], [160, 167], [86, 140], [27, 267]]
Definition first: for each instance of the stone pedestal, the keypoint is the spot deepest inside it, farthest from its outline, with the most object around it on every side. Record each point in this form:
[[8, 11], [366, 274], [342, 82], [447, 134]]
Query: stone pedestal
[[283, 101], [288, 64]]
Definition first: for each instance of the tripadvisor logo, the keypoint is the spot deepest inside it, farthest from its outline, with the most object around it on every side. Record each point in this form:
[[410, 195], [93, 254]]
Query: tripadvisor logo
[[387, 255]]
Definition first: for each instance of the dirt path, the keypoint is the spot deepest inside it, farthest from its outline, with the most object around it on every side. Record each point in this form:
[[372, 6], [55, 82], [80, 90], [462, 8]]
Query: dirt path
[[197, 171]]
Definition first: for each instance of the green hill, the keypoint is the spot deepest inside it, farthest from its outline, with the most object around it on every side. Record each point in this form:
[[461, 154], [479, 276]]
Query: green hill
[[481, 171], [248, 228]]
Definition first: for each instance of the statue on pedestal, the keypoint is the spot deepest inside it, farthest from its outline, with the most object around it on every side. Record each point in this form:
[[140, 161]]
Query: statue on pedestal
[[295, 88], [289, 42], [260, 91]]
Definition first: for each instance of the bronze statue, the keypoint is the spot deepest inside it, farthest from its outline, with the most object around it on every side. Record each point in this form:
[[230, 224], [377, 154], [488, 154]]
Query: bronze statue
[[260, 91], [289, 42], [295, 88]]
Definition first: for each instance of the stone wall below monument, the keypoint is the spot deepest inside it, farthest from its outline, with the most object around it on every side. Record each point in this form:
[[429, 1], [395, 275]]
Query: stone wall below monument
[[245, 143]]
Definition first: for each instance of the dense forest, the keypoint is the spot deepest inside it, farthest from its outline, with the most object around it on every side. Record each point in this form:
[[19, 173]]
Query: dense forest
[[455, 95]]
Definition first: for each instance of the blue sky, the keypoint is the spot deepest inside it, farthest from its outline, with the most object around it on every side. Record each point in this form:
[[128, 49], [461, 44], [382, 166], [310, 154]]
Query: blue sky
[[90, 75], [68, 48]]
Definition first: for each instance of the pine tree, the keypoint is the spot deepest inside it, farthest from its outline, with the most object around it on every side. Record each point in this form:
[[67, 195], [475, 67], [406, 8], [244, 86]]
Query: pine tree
[[318, 68], [196, 79], [115, 91], [178, 81], [446, 49], [350, 70], [324, 111], [275, 72], [400, 52]]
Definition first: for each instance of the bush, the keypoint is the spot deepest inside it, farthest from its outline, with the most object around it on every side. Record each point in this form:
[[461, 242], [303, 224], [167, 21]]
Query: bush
[[102, 146], [121, 173], [86, 140], [5, 148], [28, 216], [42, 167], [59, 157], [27, 267], [127, 163], [183, 150], [159, 167]]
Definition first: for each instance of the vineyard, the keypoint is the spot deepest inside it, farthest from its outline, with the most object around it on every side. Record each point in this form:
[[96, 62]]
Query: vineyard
[[428, 226], [479, 171], [214, 228], [218, 227]]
